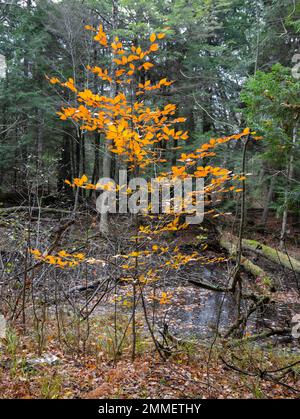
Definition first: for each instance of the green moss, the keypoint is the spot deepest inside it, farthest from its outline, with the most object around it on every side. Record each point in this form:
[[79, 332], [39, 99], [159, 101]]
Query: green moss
[[252, 242], [272, 254]]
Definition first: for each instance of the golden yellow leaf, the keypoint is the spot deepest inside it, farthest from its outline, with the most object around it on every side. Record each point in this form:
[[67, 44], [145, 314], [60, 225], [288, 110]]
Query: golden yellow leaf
[[152, 37]]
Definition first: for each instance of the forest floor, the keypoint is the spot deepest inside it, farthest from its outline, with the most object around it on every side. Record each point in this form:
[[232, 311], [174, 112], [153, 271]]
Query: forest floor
[[196, 369], [189, 373]]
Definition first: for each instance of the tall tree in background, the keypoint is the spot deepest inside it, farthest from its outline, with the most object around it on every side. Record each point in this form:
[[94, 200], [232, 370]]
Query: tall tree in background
[[277, 93], [212, 48]]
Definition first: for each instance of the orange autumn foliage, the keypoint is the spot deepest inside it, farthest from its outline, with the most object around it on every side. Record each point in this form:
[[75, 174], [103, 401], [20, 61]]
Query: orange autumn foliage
[[134, 130], [131, 128]]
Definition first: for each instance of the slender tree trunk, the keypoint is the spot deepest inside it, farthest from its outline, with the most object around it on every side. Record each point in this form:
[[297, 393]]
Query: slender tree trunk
[[268, 201], [107, 158], [96, 168], [39, 141], [106, 174], [174, 154], [83, 153], [235, 279], [83, 162], [290, 173], [65, 164], [77, 156]]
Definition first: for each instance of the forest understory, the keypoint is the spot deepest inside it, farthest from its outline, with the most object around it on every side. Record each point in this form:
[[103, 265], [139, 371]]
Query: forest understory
[[70, 336], [149, 200]]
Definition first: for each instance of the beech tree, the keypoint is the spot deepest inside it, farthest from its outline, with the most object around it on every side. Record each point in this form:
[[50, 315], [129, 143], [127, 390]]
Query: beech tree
[[133, 131]]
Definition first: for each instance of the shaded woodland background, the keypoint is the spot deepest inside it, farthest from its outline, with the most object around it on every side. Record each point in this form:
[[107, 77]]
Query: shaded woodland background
[[218, 328], [213, 50]]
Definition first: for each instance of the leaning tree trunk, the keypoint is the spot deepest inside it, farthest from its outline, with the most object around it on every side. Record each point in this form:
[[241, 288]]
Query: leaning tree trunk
[[273, 255], [230, 243]]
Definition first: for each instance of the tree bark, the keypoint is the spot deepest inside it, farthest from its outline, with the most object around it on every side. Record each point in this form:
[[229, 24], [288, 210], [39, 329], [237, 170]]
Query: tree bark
[[268, 201], [65, 163], [290, 172], [230, 242], [107, 158]]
